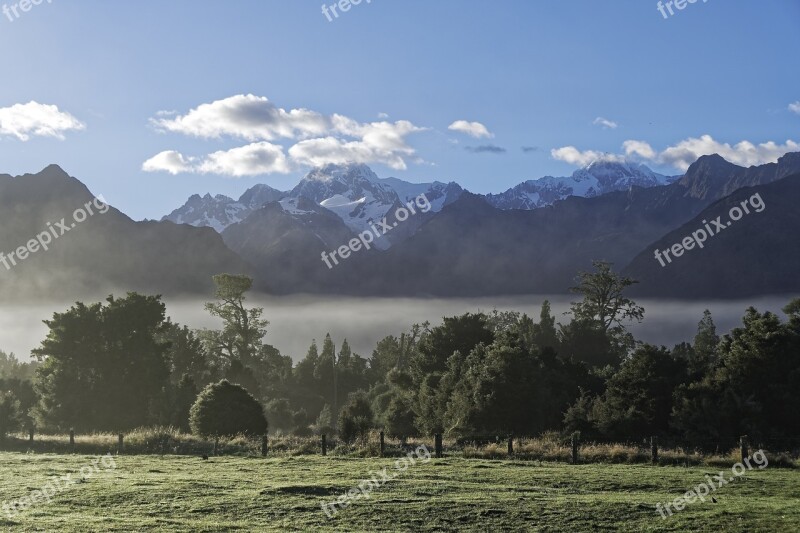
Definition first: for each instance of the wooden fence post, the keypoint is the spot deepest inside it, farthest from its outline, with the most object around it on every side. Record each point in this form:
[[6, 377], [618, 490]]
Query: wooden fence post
[[654, 449], [743, 447], [511, 444], [324, 445], [30, 435], [120, 443], [437, 440], [264, 445], [72, 440], [574, 449], [216, 445], [383, 445]]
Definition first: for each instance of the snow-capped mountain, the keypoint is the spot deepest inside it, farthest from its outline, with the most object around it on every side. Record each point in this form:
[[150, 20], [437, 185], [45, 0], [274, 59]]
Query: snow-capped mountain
[[355, 194], [221, 211], [598, 178]]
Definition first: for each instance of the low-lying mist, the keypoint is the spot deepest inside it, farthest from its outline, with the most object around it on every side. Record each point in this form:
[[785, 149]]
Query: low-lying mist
[[296, 320]]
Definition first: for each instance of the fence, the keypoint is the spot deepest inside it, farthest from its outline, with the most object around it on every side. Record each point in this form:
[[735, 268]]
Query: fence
[[571, 450]]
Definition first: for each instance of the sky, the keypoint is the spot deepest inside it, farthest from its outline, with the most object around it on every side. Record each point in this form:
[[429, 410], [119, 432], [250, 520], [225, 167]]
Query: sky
[[149, 102]]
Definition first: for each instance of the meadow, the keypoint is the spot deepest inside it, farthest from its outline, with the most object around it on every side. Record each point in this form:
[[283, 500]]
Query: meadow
[[455, 493]]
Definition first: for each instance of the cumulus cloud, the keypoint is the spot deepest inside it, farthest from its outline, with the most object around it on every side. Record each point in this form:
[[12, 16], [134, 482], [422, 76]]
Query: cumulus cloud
[[246, 116], [605, 123], [318, 139], [168, 161], [251, 160], [744, 153], [573, 156], [34, 119], [795, 107], [473, 129], [485, 149], [684, 153], [639, 148]]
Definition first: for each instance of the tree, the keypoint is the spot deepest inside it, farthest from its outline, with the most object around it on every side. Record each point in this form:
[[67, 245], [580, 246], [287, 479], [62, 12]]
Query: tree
[[104, 367], [356, 418], [242, 375], [186, 355], [751, 390], [12, 368], [456, 334], [639, 397], [544, 333], [400, 418], [324, 423], [603, 298], [224, 409], [706, 340], [9, 414], [184, 397], [304, 371], [243, 328]]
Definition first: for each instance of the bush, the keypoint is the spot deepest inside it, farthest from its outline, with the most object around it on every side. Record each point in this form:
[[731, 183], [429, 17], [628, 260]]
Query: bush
[[224, 409], [356, 418]]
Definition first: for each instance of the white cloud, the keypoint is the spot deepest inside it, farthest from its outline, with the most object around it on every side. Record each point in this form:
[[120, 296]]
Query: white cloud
[[473, 129], [246, 116], [319, 139], [573, 156], [251, 160], [684, 153], [34, 119], [639, 148], [795, 107], [168, 161], [380, 142], [383, 116], [605, 123], [744, 153]]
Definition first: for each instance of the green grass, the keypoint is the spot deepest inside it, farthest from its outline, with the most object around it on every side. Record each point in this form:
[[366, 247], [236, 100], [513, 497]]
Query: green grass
[[184, 493]]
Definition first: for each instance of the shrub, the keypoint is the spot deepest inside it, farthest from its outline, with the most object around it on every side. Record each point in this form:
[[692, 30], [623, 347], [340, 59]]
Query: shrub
[[356, 418], [224, 409]]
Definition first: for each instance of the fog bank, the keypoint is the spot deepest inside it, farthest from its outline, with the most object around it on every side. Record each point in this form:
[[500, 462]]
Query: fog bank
[[295, 321]]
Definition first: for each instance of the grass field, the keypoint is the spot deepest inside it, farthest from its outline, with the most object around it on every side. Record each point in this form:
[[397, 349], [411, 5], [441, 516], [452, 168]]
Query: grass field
[[183, 493]]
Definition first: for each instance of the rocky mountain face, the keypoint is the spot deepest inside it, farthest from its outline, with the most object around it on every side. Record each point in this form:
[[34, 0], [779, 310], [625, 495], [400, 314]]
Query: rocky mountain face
[[758, 254], [460, 245], [106, 252]]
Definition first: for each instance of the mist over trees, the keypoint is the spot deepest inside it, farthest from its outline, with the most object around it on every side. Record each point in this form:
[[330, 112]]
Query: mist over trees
[[122, 364]]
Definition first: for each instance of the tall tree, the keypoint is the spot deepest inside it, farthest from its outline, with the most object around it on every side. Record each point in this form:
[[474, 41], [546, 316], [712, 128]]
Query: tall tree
[[603, 298], [706, 340], [243, 327]]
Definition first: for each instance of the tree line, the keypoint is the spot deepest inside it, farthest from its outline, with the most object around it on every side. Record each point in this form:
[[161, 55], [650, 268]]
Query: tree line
[[122, 364]]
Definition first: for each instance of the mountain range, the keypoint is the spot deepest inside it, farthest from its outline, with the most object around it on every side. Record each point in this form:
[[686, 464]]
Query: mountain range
[[533, 238]]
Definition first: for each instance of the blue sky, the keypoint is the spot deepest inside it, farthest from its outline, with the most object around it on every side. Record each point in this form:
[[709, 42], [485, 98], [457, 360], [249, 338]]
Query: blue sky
[[383, 82]]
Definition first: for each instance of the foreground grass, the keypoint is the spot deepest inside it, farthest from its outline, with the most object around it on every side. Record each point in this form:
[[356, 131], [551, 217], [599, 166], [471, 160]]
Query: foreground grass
[[182, 493]]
